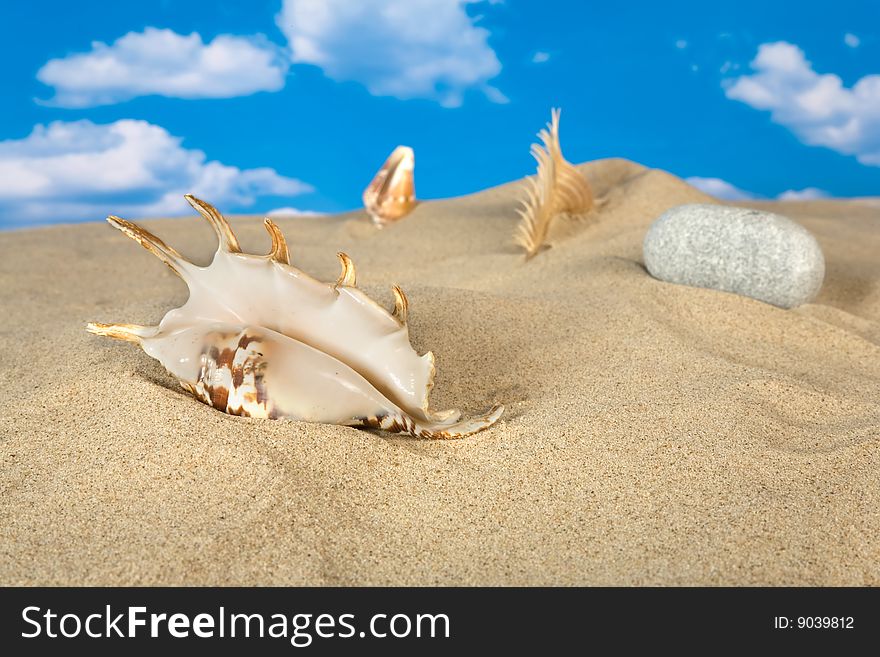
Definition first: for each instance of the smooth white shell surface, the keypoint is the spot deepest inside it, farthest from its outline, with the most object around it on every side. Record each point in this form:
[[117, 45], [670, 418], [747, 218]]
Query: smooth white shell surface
[[247, 290]]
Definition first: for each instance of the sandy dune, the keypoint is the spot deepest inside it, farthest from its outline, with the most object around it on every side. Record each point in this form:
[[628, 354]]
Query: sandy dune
[[655, 434]]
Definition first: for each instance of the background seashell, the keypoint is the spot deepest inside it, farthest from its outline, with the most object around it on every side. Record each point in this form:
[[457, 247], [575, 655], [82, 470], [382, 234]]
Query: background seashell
[[558, 188], [326, 353], [391, 195]]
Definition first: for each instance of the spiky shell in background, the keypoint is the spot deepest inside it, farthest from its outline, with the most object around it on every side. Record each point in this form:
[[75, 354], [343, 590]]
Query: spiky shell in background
[[557, 189]]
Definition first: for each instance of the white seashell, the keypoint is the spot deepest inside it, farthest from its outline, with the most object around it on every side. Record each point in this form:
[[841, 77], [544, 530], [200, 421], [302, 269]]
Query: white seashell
[[391, 194], [259, 337]]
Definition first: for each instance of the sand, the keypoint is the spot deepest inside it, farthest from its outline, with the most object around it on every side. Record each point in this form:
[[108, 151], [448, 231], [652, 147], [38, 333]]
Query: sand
[[655, 434]]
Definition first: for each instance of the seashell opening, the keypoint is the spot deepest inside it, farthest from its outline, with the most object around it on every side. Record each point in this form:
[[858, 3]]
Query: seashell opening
[[259, 337], [391, 195]]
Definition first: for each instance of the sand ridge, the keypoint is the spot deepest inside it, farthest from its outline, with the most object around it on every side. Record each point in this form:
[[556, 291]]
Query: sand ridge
[[654, 434]]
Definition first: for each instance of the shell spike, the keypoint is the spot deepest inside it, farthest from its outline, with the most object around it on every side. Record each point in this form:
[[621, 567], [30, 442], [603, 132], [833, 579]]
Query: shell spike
[[228, 241], [279, 252], [176, 262], [401, 305], [128, 332], [447, 431], [557, 189], [551, 142], [348, 276]]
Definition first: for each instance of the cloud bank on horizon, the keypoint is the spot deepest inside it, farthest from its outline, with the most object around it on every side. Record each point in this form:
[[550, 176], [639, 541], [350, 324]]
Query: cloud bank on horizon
[[75, 170], [729, 192], [90, 154]]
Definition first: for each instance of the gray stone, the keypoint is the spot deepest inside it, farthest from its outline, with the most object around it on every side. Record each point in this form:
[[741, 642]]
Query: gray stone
[[760, 255]]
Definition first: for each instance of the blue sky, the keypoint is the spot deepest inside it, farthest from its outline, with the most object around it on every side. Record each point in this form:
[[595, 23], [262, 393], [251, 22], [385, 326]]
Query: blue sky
[[113, 107]]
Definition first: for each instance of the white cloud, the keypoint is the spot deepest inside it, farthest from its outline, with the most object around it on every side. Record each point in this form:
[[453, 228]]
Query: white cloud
[[540, 57], [852, 40], [719, 188], [402, 48], [681, 44], [729, 192], [69, 171], [495, 95], [292, 212], [819, 109], [165, 63], [807, 194]]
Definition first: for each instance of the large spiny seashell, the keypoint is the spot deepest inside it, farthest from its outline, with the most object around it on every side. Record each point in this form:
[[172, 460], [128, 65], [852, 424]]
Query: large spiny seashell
[[391, 194], [260, 338], [558, 188]]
